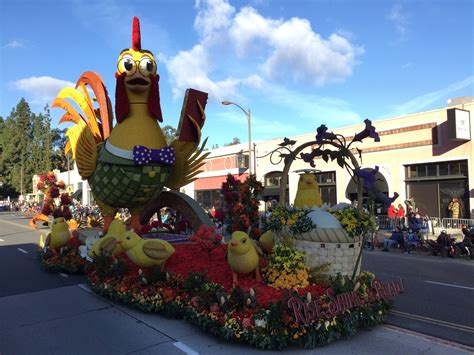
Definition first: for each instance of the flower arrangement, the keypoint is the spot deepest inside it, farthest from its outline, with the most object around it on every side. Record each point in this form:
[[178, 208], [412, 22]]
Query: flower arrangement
[[355, 222], [66, 259], [286, 268], [207, 239], [55, 202], [255, 314], [295, 219], [241, 204]]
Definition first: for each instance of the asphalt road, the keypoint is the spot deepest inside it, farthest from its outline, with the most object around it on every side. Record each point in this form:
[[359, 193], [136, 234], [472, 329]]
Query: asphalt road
[[439, 293], [20, 271], [438, 300]]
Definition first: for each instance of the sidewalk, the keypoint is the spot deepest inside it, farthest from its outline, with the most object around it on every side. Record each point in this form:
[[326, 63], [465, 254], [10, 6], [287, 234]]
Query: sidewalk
[[73, 320]]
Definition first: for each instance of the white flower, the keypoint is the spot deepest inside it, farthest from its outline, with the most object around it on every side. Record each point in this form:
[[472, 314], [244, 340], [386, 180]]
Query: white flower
[[249, 301], [308, 297], [144, 280], [252, 292], [260, 322], [222, 300]]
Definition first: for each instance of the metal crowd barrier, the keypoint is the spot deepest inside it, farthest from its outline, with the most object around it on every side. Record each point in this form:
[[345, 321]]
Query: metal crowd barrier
[[452, 226]]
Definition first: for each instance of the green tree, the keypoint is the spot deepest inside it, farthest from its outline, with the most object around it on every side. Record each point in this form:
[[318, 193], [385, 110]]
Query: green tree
[[169, 132], [58, 141], [235, 141], [26, 144], [17, 134]]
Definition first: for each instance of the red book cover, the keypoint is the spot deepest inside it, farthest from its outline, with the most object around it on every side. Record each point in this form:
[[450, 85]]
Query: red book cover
[[186, 130]]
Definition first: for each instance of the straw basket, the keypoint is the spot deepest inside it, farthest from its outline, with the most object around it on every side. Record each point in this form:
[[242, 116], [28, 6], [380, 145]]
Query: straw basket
[[331, 245]]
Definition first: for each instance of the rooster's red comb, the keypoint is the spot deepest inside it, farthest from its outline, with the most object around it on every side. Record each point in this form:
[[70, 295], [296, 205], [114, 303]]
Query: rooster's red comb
[[136, 38]]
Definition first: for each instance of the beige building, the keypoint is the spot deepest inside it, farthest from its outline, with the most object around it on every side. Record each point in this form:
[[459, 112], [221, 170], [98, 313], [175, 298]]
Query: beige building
[[426, 156]]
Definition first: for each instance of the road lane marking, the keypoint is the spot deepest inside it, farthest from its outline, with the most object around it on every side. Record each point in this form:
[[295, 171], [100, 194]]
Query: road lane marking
[[2, 240], [84, 287], [20, 225], [433, 321], [451, 285], [63, 275], [183, 347], [23, 251]]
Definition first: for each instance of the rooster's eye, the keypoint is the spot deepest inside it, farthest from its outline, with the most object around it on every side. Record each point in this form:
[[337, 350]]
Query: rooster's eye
[[127, 65], [147, 66]]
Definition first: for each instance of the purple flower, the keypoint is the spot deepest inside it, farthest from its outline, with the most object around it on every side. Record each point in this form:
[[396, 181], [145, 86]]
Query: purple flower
[[323, 134], [309, 158], [368, 176], [369, 131]]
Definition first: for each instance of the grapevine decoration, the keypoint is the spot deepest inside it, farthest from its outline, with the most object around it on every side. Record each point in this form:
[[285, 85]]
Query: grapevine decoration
[[328, 145]]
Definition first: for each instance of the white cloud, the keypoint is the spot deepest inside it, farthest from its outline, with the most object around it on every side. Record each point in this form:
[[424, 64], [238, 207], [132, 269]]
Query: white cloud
[[269, 50], [213, 16], [41, 90], [400, 18], [422, 102], [15, 44], [313, 108]]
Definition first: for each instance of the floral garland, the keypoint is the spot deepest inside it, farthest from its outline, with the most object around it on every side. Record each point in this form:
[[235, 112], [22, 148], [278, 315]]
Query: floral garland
[[254, 314], [66, 259]]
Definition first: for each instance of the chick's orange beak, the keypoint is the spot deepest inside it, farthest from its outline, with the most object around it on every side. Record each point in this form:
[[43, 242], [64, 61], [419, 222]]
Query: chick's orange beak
[[234, 244]]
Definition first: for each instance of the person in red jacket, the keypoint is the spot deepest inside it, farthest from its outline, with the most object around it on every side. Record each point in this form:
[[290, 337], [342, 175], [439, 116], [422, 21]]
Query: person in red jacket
[[392, 215], [401, 216]]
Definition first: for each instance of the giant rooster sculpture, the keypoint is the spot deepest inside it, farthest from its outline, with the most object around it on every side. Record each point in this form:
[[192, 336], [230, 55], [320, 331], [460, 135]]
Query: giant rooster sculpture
[[129, 165]]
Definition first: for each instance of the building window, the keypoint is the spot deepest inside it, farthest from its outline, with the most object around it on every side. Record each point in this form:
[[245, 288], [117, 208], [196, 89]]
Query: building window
[[242, 160], [273, 179], [450, 169], [327, 186], [208, 198], [433, 185]]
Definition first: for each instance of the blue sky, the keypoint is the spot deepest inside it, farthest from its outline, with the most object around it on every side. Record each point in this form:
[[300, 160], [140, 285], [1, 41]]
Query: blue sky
[[295, 64]]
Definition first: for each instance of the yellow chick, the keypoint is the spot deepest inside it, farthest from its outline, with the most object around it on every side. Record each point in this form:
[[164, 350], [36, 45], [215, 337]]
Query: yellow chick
[[242, 256], [110, 243], [146, 252], [59, 235], [267, 241], [308, 192]]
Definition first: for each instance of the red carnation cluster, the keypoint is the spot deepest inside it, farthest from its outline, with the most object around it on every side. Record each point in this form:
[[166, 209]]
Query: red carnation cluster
[[55, 202], [207, 239], [241, 204]]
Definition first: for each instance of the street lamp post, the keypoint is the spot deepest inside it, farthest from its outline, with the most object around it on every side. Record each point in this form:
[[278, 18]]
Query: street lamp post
[[247, 113]]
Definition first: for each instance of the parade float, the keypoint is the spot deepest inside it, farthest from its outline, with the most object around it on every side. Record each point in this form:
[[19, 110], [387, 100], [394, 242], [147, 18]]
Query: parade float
[[261, 287]]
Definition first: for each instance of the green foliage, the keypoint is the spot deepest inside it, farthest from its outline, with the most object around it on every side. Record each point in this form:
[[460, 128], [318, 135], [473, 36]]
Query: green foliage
[[296, 219], [107, 266], [25, 147], [320, 274], [356, 222], [286, 258], [194, 281]]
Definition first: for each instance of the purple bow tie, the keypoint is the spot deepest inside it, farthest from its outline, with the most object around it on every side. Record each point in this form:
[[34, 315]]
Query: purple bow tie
[[143, 155]]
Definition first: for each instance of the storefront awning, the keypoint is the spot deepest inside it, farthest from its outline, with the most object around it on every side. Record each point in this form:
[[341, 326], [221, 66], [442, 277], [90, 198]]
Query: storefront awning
[[215, 182]]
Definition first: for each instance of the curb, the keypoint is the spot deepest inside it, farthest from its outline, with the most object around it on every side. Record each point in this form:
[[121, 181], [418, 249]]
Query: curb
[[449, 343]]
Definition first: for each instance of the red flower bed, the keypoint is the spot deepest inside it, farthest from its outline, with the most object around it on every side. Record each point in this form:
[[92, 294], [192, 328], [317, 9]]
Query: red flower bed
[[189, 258]]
